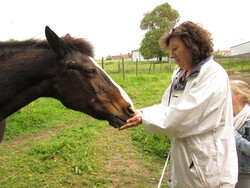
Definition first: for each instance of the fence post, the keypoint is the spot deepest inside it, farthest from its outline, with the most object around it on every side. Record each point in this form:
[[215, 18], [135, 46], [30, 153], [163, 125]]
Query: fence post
[[123, 69], [119, 67], [242, 64], [161, 67], [149, 70], [136, 67], [170, 64], [102, 63], [228, 65]]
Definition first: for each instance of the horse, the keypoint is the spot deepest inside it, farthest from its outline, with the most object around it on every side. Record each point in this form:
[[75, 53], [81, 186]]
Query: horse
[[62, 68]]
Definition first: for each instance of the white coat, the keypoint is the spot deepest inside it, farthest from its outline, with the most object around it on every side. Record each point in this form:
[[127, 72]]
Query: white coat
[[198, 116]]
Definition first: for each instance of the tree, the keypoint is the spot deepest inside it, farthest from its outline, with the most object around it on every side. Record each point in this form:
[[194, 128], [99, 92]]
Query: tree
[[157, 22], [149, 46], [109, 57]]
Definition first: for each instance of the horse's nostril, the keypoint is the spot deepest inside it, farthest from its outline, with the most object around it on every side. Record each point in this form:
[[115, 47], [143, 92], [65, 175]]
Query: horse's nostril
[[130, 109]]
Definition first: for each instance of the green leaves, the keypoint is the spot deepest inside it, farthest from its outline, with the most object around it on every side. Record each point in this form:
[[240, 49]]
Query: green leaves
[[156, 23], [162, 17], [150, 47]]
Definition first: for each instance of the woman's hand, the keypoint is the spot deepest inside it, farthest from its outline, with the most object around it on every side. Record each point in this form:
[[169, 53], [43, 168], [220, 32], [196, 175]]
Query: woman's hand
[[134, 121]]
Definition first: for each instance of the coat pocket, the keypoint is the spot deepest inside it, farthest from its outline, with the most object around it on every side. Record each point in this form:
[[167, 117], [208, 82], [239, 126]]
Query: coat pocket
[[204, 163]]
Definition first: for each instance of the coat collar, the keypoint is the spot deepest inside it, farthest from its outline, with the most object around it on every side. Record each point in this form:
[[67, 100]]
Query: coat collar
[[197, 68], [180, 82]]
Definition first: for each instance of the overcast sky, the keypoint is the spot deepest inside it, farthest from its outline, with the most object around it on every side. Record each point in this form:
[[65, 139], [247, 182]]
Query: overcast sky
[[113, 26]]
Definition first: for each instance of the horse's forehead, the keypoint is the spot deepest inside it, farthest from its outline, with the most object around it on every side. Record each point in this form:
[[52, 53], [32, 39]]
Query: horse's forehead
[[123, 93]]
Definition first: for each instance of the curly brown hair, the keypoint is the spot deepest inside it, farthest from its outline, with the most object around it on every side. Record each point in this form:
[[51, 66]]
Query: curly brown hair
[[194, 37]]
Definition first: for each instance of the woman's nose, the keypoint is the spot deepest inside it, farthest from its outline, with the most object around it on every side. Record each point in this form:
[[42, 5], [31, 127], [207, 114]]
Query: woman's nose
[[172, 55]]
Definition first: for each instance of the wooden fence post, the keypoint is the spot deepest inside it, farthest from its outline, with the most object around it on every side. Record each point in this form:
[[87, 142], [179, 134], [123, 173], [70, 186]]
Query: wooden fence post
[[161, 67], [119, 67], [136, 67], [242, 63], [102, 63], [123, 69], [149, 70]]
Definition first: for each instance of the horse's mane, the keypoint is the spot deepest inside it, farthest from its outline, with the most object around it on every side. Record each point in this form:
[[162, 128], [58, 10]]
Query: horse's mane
[[79, 44]]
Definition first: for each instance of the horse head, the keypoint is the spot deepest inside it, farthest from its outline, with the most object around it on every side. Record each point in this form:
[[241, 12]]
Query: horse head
[[83, 85]]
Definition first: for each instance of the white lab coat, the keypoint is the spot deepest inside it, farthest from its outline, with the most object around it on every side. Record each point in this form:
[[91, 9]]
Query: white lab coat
[[199, 119]]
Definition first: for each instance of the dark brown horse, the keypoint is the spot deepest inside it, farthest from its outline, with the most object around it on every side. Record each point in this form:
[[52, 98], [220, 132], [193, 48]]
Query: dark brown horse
[[62, 68]]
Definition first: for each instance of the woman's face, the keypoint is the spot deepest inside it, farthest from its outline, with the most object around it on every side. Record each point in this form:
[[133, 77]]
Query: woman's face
[[234, 101], [237, 101], [181, 54]]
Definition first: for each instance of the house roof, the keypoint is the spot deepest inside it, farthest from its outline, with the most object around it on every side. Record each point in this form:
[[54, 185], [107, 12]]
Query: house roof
[[119, 57], [240, 44]]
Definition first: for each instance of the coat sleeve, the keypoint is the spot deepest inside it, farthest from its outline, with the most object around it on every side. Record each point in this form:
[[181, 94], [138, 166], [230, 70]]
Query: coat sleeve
[[242, 144], [199, 111]]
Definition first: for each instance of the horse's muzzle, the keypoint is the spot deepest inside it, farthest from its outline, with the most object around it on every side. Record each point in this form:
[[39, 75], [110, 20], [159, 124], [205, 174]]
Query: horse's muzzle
[[119, 120]]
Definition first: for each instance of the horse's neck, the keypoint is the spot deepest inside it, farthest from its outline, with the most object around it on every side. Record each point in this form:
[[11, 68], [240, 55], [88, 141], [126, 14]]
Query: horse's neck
[[24, 77], [27, 63]]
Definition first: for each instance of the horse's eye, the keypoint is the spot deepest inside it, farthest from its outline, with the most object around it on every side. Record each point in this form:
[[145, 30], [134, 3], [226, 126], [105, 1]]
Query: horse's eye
[[90, 71]]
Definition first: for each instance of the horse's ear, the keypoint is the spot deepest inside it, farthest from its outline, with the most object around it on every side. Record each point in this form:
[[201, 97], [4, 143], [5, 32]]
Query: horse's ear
[[55, 42], [68, 35]]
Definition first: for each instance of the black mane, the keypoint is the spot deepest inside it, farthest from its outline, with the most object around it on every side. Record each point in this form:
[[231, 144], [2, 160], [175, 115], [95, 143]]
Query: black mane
[[8, 49]]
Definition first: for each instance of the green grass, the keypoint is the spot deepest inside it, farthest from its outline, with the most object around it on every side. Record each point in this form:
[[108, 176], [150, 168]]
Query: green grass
[[147, 90], [57, 162], [38, 116]]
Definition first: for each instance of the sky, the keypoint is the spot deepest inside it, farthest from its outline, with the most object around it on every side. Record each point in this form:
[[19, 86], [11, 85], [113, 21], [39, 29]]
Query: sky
[[113, 26]]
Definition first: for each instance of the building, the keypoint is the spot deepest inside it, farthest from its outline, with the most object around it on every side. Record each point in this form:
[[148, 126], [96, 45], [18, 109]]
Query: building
[[136, 54], [241, 49], [222, 52], [119, 57]]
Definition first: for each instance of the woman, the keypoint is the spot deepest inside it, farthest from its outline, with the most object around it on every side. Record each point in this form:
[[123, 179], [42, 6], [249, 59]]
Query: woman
[[196, 111], [241, 111]]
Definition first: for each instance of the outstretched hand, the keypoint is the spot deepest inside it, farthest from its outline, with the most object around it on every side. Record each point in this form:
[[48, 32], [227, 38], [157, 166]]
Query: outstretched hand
[[134, 121]]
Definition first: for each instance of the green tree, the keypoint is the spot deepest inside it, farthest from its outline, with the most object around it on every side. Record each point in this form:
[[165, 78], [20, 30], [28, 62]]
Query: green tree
[[155, 23], [109, 57]]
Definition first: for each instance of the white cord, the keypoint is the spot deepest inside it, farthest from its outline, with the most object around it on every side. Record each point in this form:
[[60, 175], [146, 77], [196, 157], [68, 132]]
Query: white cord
[[163, 172]]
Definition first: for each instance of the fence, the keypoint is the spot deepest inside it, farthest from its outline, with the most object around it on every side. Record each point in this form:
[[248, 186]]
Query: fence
[[234, 63], [138, 67], [231, 64]]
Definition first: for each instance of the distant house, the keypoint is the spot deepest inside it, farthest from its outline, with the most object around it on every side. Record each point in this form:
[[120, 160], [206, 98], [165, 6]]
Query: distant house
[[241, 49], [223, 52], [119, 57], [136, 54]]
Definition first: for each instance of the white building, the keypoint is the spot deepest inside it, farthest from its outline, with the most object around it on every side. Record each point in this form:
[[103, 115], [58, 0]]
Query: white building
[[136, 54], [243, 48]]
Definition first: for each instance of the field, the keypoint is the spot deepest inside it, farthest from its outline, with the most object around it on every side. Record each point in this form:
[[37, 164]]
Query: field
[[48, 145]]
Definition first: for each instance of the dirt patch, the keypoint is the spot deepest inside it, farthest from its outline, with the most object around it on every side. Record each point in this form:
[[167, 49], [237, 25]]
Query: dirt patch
[[123, 165], [245, 76]]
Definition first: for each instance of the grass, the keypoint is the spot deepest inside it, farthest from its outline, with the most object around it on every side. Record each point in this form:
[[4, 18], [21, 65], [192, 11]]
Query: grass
[[58, 161], [235, 64], [38, 116]]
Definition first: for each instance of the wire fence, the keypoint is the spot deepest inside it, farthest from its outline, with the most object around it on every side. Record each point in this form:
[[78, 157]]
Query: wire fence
[[230, 64]]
